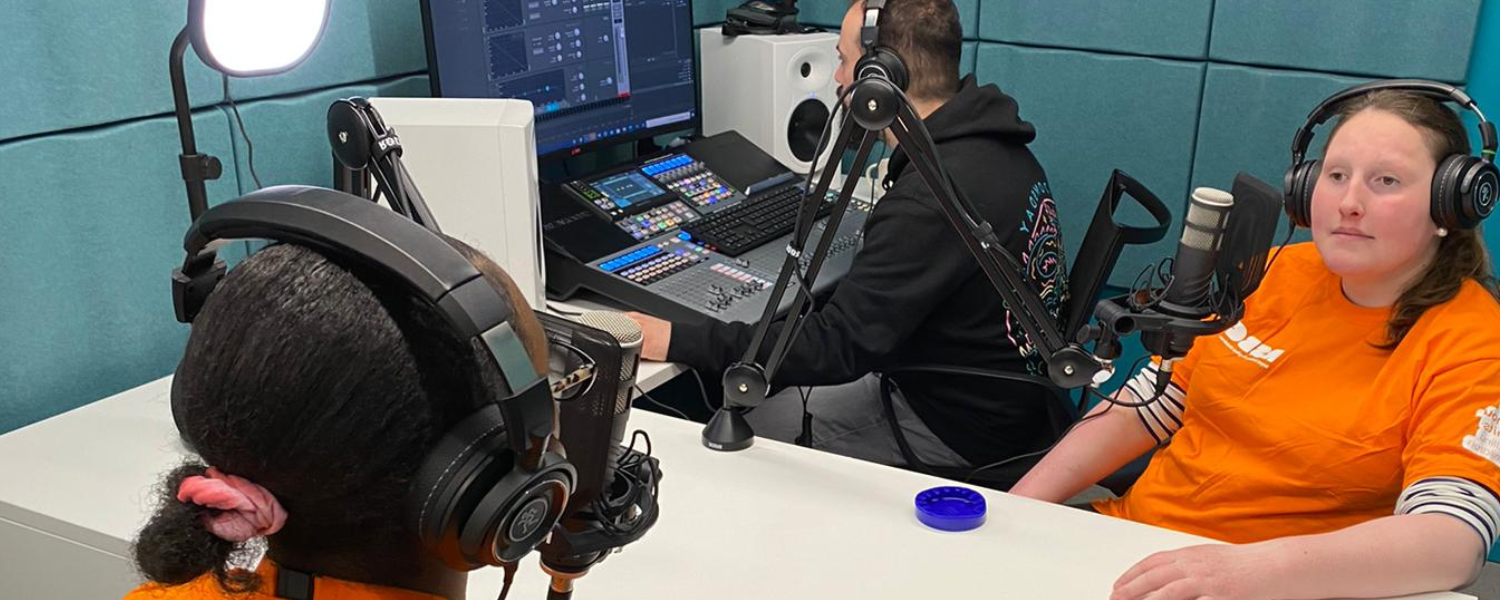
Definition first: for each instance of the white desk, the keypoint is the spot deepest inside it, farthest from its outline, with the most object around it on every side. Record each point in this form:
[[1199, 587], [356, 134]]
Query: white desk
[[75, 489], [773, 521]]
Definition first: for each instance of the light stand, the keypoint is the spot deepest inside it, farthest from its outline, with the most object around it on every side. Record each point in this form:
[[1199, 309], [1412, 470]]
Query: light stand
[[196, 168], [224, 35], [874, 106]]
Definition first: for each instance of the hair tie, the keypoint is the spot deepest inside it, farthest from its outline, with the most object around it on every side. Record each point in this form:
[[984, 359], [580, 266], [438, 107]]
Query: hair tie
[[245, 510]]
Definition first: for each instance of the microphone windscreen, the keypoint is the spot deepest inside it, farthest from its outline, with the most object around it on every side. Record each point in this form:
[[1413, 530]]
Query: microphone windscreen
[[624, 329]]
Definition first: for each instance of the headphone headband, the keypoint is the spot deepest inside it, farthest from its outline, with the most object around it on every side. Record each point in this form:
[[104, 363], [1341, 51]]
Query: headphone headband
[[1463, 186], [354, 228], [869, 33], [1432, 89], [364, 233], [878, 60]]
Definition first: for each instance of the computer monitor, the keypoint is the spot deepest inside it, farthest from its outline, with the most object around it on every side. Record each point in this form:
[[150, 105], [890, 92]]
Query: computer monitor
[[598, 72]]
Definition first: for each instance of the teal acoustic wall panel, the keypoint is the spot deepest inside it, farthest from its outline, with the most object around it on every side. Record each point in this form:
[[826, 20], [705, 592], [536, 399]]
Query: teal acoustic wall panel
[[415, 86], [1484, 85], [290, 136], [1098, 112], [710, 12], [76, 63], [1249, 117], [365, 39], [966, 60], [1170, 28], [830, 13], [826, 13], [1379, 38], [93, 226]]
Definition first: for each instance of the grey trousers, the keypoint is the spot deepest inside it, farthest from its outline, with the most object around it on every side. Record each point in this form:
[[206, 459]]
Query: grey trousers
[[849, 420]]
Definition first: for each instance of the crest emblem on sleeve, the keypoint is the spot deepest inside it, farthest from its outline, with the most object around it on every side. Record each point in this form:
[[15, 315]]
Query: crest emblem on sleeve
[[1485, 441]]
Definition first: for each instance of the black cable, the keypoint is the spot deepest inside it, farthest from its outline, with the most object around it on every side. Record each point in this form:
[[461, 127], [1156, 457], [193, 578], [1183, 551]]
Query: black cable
[[1291, 229], [807, 183], [249, 147], [1088, 391], [1060, 438], [926, 136], [626, 470], [510, 575], [1134, 367], [805, 438], [804, 288], [631, 448], [659, 404], [702, 390]]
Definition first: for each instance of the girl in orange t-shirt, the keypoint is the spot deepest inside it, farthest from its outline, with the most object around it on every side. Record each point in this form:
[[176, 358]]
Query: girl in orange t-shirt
[[1344, 434], [311, 397]]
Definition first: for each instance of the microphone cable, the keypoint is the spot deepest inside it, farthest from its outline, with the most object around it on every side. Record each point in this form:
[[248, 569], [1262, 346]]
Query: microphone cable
[[626, 469], [805, 438], [660, 404], [1000, 463], [1089, 391], [702, 391]]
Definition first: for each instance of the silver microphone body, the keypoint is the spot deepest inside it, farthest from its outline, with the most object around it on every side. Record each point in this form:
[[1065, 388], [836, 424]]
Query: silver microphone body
[[1189, 294], [1198, 253]]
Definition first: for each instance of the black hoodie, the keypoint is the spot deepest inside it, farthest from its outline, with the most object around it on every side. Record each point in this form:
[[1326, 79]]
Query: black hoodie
[[915, 295]]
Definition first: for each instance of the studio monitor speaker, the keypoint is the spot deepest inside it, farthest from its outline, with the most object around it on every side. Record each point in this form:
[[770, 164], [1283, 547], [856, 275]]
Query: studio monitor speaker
[[776, 90]]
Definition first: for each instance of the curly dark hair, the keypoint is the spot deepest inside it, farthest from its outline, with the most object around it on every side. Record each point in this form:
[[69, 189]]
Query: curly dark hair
[[325, 385]]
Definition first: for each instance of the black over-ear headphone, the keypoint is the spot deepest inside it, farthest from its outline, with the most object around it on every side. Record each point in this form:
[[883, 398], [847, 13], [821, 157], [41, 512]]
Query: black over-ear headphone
[[1464, 187], [878, 60], [489, 491]]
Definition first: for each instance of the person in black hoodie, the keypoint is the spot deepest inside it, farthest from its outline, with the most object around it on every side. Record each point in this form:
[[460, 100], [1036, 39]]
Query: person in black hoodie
[[914, 294]]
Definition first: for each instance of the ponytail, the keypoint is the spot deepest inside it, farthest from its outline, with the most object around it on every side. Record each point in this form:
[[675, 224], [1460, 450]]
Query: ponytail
[[175, 547]]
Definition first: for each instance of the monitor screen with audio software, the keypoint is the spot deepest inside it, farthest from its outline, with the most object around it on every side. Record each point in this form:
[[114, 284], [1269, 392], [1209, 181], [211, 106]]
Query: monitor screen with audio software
[[597, 72]]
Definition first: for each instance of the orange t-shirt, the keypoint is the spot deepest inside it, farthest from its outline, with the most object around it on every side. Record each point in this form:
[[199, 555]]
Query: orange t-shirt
[[324, 588], [1293, 423]]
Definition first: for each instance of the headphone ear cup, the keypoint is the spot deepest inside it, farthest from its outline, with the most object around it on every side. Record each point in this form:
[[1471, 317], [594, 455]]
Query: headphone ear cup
[[467, 462], [1299, 182], [1463, 192], [517, 513], [883, 62], [895, 66]]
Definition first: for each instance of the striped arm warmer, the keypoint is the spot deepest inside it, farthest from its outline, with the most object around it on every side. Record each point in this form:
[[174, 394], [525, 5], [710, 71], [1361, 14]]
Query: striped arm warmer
[[1163, 417], [1458, 498]]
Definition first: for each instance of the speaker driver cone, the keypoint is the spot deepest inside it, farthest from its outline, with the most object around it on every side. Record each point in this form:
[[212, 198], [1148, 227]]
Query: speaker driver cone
[[804, 127]]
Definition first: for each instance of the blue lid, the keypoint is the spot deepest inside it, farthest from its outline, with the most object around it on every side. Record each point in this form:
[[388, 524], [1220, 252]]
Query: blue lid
[[950, 508]]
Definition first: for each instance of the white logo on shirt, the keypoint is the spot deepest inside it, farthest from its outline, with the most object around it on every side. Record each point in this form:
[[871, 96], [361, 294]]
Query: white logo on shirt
[[1249, 347], [1486, 439]]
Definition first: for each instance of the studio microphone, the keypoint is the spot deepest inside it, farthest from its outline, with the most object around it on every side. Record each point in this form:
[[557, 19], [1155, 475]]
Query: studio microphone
[[1190, 292], [614, 501], [592, 426]]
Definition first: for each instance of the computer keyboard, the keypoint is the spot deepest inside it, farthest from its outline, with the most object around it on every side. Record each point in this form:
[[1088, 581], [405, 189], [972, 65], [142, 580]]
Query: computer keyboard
[[759, 219]]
